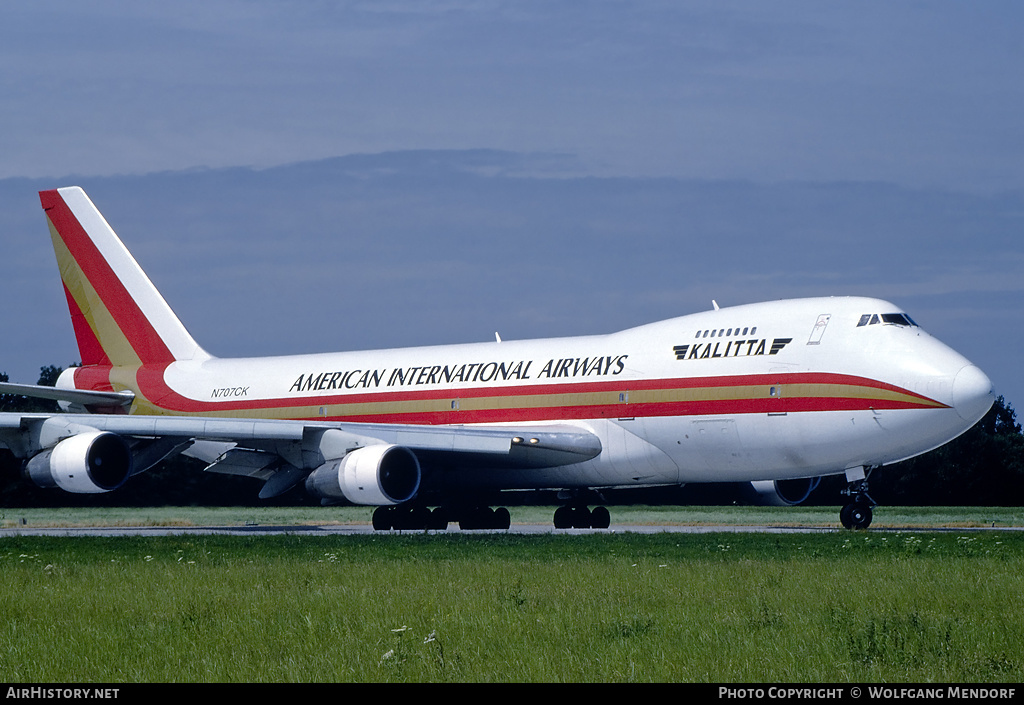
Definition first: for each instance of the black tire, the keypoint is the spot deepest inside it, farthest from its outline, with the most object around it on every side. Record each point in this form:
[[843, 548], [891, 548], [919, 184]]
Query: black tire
[[411, 518], [600, 518], [563, 518], [382, 519], [856, 516], [861, 516], [580, 518], [476, 518], [844, 516], [502, 519]]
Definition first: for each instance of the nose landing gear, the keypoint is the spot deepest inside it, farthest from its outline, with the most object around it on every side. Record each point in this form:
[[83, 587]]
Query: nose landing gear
[[857, 514]]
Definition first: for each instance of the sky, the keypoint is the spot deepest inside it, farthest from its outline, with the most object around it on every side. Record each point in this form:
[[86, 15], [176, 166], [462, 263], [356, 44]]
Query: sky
[[312, 176]]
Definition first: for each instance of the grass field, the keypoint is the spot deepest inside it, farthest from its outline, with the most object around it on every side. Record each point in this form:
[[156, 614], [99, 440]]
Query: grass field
[[836, 607]]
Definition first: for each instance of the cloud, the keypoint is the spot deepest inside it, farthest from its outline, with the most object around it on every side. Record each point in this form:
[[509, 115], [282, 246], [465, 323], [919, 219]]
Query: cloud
[[899, 93], [430, 247]]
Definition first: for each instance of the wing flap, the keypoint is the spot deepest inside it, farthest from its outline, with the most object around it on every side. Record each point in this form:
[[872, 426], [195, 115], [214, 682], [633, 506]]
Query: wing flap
[[242, 461]]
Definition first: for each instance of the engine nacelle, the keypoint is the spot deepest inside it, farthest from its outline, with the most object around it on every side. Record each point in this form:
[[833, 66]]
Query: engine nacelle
[[783, 493], [89, 462], [374, 475]]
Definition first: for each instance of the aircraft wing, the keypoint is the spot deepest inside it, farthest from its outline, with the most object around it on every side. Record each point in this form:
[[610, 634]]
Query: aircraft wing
[[98, 452]]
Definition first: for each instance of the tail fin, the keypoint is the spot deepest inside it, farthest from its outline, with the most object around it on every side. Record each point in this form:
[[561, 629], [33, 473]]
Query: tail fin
[[118, 315]]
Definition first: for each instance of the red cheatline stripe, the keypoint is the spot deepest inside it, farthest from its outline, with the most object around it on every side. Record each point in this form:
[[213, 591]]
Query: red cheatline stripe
[[614, 411], [116, 299], [153, 388]]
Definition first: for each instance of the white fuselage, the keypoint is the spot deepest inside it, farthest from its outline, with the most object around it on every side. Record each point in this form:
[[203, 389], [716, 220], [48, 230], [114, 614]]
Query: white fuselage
[[773, 390]]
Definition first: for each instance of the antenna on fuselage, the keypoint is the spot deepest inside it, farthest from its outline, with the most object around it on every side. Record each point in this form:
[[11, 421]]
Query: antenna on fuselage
[[714, 303]]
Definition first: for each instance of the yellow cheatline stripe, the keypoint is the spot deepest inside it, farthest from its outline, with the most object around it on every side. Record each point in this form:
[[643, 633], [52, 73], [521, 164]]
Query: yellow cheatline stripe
[[851, 391], [443, 404]]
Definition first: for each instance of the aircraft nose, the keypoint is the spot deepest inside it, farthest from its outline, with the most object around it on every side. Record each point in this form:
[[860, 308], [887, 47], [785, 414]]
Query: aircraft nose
[[972, 393]]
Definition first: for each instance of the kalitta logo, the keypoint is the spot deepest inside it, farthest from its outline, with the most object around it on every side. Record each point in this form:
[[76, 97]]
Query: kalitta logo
[[732, 348]]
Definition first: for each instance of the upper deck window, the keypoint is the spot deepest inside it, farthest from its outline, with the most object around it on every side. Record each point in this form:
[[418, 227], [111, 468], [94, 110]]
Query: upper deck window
[[724, 332]]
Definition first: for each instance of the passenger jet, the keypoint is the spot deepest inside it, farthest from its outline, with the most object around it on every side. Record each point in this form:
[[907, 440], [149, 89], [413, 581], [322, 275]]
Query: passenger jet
[[776, 394]]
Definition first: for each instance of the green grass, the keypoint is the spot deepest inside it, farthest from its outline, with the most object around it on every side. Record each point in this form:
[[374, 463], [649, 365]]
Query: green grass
[[885, 517], [842, 607]]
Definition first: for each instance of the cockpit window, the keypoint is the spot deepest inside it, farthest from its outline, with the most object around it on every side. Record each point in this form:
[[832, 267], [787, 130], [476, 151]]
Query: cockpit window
[[899, 319]]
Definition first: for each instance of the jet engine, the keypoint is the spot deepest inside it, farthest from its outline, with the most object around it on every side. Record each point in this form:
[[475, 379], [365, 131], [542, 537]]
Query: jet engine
[[782, 493], [374, 475], [88, 462]]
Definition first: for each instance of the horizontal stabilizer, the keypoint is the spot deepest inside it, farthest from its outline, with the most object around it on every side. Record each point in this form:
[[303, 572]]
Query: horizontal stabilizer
[[74, 396]]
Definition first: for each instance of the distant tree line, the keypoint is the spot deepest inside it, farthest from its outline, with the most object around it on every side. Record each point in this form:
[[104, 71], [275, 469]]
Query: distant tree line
[[11, 402], [983, 467]]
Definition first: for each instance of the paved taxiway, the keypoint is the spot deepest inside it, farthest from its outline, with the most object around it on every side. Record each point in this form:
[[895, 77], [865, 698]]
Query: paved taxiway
[[518, 529]]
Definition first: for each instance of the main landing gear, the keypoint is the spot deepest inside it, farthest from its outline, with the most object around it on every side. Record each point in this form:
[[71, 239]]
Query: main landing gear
[[409, 518], [578, 516], [420, 518], [857, 514], [575, 514], [417, 517]]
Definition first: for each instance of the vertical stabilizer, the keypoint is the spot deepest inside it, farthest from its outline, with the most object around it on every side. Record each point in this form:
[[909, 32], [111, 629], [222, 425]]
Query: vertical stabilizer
[[119, 317]]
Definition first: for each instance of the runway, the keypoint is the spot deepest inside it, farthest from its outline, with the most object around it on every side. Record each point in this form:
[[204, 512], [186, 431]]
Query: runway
[[516, 529]]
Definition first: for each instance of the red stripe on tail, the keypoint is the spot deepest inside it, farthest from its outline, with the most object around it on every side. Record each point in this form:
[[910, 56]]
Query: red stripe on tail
[[115, 297]]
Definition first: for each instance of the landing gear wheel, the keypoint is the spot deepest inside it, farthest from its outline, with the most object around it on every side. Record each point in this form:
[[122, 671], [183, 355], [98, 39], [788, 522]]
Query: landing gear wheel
[[563, 518], [409, 518], [414, 519], [383, 518], [579, 517], [485, 518], [502, 519], [856, 516], [475, 518]]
